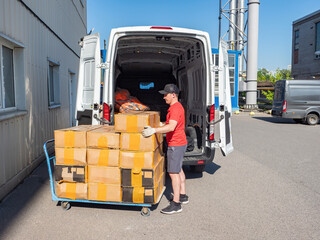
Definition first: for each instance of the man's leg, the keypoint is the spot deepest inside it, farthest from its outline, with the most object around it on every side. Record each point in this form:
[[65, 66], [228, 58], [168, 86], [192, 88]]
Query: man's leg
[[176, 185], [182, 182]]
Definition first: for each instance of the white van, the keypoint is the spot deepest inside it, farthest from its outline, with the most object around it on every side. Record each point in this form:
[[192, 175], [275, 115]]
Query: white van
[[143, 60]]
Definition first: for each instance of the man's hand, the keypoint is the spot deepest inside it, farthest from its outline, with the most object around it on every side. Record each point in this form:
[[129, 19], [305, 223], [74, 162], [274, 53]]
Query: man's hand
[[148, 131]]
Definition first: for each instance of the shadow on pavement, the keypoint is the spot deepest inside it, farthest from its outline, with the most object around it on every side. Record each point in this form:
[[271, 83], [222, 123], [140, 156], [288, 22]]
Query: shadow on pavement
[[18, 200], [276, 120]]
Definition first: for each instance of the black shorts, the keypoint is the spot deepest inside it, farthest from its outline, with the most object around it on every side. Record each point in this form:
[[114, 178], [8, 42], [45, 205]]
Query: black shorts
[[174, 158]]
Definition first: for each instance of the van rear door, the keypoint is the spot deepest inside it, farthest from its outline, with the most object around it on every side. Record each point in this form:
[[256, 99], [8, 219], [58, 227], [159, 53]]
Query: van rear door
[[225, 109], [278, 98], [89, 81]]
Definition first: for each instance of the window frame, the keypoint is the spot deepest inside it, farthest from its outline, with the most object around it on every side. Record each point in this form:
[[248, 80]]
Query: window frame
[[56, 83], [3, 108], [316, 35], [296, 39]]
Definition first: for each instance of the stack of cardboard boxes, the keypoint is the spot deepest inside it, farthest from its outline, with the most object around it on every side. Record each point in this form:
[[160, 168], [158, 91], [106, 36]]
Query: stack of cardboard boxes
[[111, 163], [141, 160]]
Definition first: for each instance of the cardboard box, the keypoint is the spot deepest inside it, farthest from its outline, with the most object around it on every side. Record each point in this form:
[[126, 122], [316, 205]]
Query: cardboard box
[[72, 190], [135, 121], [137, 159], [142, 194], [71, 156], [138, 177], [104, 192], [70, 173], [136, 142], [103, 137], [74, 137], [101, 174], [103, 157]]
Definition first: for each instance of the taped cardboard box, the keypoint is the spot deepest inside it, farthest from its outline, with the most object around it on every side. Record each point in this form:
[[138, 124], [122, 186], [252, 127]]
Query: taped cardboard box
[[135, 121], [136, 142], [103, 137], [72, 190], [138, 159], [70, 173], [74, 137], [143, 194], [138, 177], [104, 192], [101, 174], [103, 157], [71, 156]]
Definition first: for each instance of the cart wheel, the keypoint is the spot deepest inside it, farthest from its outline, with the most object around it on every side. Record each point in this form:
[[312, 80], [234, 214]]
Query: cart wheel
[[65, 205], [145, 212]]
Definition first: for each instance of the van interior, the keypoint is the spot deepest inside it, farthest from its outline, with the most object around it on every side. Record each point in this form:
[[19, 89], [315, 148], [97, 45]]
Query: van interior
[[144, 64]]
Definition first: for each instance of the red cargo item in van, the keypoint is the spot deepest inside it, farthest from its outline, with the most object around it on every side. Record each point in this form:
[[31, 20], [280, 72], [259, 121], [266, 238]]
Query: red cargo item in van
[[132, 106], [121, 96]]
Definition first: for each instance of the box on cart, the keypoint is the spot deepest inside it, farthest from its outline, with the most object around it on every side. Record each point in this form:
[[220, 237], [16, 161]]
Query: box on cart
[[72, 190], [74, 137], [143, 194], [103, 157], [104, 192], [137, 177], [103, 137], [135, 121], [70, 173]]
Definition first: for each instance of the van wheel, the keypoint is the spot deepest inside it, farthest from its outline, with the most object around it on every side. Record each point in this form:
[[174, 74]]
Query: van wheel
[[312, 119], [197, 168]]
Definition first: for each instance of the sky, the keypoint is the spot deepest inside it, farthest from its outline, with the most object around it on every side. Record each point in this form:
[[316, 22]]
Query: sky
[[275, 21]]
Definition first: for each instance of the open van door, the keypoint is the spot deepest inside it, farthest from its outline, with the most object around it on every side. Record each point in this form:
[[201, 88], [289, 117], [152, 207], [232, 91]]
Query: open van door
[[89, 81], [225, 109]]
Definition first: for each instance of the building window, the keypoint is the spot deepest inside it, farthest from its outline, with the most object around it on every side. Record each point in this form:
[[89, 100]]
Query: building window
[[7, 92], [231, 73], [296, 47], [317, 36], [296, 40], [53, 84]]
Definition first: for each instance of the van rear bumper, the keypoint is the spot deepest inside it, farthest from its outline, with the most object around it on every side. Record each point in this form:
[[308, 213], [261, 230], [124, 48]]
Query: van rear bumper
[[206, 158]]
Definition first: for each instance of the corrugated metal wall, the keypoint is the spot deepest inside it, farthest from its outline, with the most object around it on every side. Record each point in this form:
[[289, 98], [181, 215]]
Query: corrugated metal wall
[[22, 136]]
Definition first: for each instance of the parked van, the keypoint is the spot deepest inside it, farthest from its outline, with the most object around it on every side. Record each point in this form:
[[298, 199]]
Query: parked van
[[297, 99], [143, 60]]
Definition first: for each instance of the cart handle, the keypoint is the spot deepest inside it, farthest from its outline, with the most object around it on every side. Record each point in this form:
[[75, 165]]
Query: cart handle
[[49, 165]]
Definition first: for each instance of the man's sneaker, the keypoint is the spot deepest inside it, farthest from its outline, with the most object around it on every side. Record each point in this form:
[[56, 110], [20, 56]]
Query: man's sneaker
[[184, 199], [172, 208]]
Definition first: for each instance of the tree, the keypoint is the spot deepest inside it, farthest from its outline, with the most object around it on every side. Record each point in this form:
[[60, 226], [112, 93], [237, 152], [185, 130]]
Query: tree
[[265, 75]]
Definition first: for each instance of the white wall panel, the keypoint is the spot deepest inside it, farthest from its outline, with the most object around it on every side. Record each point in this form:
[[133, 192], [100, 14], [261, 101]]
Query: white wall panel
[[22, 137]]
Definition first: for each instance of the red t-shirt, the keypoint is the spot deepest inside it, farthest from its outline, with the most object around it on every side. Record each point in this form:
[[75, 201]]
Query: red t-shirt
[[178, 136]]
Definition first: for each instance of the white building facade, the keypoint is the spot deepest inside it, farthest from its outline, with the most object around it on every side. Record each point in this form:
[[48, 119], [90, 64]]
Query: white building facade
[[39, 61]]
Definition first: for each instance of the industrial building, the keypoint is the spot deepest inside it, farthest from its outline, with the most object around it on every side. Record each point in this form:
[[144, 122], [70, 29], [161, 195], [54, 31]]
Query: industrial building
[[39, 60], [306, 47]]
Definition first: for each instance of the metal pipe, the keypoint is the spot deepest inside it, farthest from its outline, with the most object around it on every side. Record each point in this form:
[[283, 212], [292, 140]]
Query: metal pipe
[[252, 54], [240, 41], [232, 24], [220, 11]]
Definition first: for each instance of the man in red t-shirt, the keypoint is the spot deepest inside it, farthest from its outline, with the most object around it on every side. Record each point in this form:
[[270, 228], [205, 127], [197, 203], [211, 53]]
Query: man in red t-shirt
[[177, 145]]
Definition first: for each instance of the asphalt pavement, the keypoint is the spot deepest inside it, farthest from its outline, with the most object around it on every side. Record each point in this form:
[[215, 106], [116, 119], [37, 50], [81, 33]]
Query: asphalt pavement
[[268, 188]]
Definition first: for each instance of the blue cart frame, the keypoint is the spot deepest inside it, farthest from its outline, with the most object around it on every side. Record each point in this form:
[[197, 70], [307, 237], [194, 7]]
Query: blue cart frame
[[65, 202]]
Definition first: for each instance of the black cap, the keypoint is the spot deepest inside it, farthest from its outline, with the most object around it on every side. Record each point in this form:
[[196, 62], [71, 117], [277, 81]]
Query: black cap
[[170, 88]]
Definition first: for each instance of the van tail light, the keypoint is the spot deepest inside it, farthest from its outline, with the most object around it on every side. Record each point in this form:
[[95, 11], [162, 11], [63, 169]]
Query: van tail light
[[166, 28], [211, 120], [284, 107], [106, 112]]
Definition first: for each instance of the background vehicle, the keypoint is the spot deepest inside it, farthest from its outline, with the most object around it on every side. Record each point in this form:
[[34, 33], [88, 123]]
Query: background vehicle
[[143, 60], [297, 99]]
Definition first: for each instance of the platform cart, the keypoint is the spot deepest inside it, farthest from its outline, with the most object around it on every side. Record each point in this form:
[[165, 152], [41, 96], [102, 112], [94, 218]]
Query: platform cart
[[66, 203]]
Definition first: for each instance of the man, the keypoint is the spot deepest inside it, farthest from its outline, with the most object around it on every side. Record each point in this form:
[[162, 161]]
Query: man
[[177, 144]]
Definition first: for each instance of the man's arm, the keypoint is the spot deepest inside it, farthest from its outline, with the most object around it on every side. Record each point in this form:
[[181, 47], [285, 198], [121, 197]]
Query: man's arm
[[168, 127]]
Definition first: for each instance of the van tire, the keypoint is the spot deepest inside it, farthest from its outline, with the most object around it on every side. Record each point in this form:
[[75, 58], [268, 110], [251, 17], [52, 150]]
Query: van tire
[[312, 119]]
